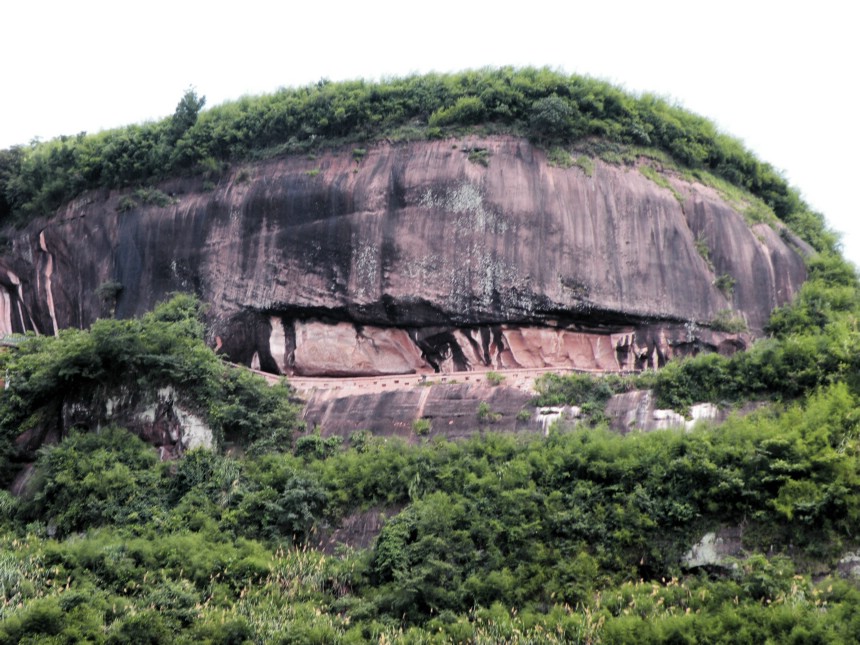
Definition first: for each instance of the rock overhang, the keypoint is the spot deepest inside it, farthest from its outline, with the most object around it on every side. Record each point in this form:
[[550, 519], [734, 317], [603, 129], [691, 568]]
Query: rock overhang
[[414, 248]]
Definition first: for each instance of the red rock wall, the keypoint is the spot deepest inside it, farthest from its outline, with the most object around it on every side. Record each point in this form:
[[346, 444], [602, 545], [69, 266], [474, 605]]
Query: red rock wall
[[431, 261]]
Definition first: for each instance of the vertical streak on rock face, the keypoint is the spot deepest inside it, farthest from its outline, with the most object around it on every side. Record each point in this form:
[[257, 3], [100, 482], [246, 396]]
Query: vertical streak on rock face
[[5, 313], [48, 271], [278, 343], [10, 292]]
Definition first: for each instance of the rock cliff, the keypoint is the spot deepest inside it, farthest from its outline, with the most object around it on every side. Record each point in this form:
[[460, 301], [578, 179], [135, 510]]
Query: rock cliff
[[415, 257]]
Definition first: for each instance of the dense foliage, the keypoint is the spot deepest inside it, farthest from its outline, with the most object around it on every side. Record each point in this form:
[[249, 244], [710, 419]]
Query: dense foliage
[[577, 537], [165, 347], [581, 534], [550, 107]]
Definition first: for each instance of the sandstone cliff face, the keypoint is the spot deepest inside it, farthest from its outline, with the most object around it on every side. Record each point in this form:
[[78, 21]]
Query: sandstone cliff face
[[414, 259]]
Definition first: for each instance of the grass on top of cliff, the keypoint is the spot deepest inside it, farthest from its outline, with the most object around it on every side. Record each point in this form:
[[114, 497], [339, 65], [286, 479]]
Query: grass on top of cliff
[[164, 347], [551, 108]]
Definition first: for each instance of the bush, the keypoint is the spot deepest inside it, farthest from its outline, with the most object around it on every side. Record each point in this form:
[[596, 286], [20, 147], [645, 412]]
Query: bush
[[480, 156], [559, 157], [494, 378], [421, 427], [586, 165], [466, 110], [313, 446], [486, 414], [554, 119], [94, 479], [725, 320], [575, 389], [126, 203], [725, 283]]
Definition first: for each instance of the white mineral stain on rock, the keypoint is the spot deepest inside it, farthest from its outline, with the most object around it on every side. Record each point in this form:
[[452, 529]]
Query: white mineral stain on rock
[[548, 415], [702, 412], [196, 433], [703, 553], [715, 549], [278, 343], [849, 565]]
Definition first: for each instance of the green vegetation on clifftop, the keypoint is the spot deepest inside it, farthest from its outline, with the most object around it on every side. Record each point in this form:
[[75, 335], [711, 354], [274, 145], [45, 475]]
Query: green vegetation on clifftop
[[551, 108]]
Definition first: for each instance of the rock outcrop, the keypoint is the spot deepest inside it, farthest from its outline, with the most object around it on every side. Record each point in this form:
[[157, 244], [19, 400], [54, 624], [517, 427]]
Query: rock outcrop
[[411, 259], [454, 411], [460, 409], [159, 417]]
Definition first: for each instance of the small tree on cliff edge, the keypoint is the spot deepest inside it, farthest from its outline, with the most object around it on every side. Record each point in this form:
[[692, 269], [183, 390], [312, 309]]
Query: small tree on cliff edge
[[186, 113]]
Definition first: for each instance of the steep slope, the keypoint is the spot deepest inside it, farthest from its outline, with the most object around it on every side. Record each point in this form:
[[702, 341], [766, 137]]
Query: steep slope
[[415, 257]]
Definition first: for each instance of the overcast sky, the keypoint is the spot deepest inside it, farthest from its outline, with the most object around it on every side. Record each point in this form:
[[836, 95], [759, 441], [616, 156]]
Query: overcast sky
[[779, 76]]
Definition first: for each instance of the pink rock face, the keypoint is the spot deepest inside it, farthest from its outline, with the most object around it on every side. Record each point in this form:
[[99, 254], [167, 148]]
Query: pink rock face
[[546, 347], [425, 259], [343, 350]]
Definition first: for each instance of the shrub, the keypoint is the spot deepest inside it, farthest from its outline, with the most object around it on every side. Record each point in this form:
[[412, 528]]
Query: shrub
[[704, 250], [314, 446], [109, 290], [574, 389], [466, 110], [494, 378], [152, 197], [480, 156], [725, 320], [485, 413], [553, 118], [126, 203], [559, 157], [421, 427], [725, 283], [586, 165]]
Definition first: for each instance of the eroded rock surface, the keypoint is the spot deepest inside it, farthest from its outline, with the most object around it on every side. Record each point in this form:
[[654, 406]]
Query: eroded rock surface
[[454, 411], [160, 418], [414, 259]]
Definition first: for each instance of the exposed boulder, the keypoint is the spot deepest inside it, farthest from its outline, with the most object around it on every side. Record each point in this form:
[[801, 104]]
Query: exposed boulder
[[715, 549], [849, 566]]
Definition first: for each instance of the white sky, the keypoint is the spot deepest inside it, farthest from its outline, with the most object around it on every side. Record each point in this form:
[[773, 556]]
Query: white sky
[[780, 76]]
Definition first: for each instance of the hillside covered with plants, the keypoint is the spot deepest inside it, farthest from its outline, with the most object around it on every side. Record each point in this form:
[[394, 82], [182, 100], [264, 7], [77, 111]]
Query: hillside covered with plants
[[576, 537]]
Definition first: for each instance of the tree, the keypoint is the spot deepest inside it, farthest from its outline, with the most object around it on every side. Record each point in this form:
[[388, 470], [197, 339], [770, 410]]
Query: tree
[[186, 113], [554, 119]]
